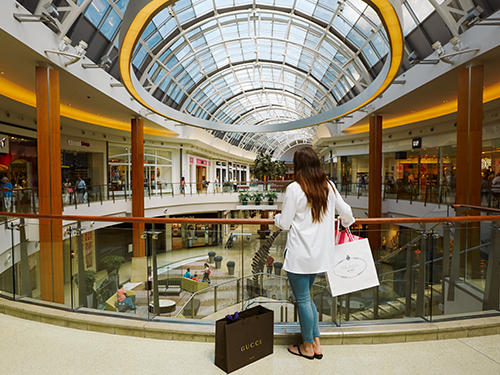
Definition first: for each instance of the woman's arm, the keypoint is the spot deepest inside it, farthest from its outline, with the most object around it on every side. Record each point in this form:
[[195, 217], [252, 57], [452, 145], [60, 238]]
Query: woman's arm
[[344, 210], [284, 220]]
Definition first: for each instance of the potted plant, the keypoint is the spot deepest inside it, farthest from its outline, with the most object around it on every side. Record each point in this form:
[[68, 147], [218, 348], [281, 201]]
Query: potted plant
[[112, 263], [257, 197], [244, 197], [271, 196], [90, 278]]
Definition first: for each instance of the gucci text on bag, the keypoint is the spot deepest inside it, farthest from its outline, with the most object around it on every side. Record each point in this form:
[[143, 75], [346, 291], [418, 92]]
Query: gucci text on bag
[[252, 345], [350, 267]]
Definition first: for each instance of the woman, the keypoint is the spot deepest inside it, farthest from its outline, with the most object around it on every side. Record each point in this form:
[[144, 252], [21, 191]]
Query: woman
[[309, 214], [183, 184], [206, 273], [68, 189]]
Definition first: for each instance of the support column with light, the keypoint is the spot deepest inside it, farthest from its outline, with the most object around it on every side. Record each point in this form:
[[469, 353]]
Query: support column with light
[[49, 183], [469, 144], [375, 180]]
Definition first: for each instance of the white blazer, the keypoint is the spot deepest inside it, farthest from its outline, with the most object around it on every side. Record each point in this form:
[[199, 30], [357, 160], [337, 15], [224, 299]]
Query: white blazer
[[309, 246]]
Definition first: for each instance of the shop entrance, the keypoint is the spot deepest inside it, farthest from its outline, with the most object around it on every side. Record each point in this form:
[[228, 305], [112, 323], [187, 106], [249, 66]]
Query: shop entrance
[[201, 177]]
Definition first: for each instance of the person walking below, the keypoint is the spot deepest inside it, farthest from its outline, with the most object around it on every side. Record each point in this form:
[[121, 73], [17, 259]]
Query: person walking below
[[309, 216], [495, 190], [269, 265], [80, 188], [7, 188], [183, 185], [206, 274]]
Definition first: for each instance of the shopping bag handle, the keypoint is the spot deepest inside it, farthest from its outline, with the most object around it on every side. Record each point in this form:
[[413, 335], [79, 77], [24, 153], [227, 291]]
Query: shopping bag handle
[[347, 230]]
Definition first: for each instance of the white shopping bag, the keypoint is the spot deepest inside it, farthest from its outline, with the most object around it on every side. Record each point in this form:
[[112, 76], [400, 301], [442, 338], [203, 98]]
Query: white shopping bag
[[354, 268]]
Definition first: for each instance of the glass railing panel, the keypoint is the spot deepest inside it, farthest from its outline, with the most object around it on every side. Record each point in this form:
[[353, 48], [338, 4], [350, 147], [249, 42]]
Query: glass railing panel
[[426, 271]]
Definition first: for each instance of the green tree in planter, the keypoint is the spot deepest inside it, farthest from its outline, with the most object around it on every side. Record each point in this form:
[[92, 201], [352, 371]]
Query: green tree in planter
[[264, 167], [280, 168], [112, 263]]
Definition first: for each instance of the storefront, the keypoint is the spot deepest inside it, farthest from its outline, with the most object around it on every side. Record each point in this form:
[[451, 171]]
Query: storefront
[[85, 158], [157, 169]]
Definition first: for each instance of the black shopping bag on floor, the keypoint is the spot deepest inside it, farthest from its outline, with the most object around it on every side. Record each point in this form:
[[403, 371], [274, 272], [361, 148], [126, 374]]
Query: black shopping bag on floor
[[245, 340]]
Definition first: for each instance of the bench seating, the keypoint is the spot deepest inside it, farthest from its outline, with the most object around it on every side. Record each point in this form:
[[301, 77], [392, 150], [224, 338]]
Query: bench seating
[[184, 283]]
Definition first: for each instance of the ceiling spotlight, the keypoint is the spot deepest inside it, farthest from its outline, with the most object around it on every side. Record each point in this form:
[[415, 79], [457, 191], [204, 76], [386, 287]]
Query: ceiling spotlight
[[80, 48], [438, 48], [65, 44], [51, 10], [456, 43], [473, 14]]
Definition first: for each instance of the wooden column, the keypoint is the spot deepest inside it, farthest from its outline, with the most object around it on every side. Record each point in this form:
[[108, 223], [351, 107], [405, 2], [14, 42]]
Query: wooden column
[[469, 135], [375, 179], [469, 148], [138, 184], [49, 183]]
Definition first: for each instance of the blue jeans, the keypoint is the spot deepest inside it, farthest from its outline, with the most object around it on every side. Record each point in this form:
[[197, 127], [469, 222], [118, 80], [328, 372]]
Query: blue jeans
[[301, 285], [129, 303]]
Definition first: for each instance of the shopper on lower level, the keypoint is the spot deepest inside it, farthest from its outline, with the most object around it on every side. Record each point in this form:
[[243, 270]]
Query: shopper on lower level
[[7, 189], [309, 216], [495, 190]]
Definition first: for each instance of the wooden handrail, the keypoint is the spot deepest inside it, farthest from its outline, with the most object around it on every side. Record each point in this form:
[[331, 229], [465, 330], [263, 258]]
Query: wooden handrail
[[122, 219], [479, 208]]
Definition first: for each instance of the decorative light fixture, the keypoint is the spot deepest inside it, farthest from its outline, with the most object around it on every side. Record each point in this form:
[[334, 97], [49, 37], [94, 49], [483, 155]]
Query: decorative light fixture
[[438, 48]]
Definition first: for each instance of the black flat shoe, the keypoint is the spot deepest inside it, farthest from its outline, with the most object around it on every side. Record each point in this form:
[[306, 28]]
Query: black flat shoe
[[300, 353], [318, 356]]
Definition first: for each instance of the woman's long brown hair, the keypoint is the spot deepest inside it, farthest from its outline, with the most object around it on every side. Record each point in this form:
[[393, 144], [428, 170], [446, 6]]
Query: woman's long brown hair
[[309, 175]]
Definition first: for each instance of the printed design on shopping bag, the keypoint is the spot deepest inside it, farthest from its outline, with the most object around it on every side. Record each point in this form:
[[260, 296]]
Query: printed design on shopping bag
[[252, 345], [350, 267]]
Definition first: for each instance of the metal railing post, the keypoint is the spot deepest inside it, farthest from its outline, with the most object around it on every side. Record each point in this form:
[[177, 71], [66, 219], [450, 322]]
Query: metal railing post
[[446, 257], [320, 317], [455, 263], [408, 278], [491, 290], [421, 277], [238, 291], [215, 299]]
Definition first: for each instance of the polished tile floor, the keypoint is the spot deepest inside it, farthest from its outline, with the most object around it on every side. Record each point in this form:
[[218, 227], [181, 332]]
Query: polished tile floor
[[28, 347]]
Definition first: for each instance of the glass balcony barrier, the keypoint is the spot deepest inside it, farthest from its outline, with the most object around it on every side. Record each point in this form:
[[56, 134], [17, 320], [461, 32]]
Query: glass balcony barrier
[[25, 200], [429, 268]]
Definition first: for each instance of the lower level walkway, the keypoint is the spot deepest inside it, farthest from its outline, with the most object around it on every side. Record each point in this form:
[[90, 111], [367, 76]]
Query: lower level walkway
[[28, 347]]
